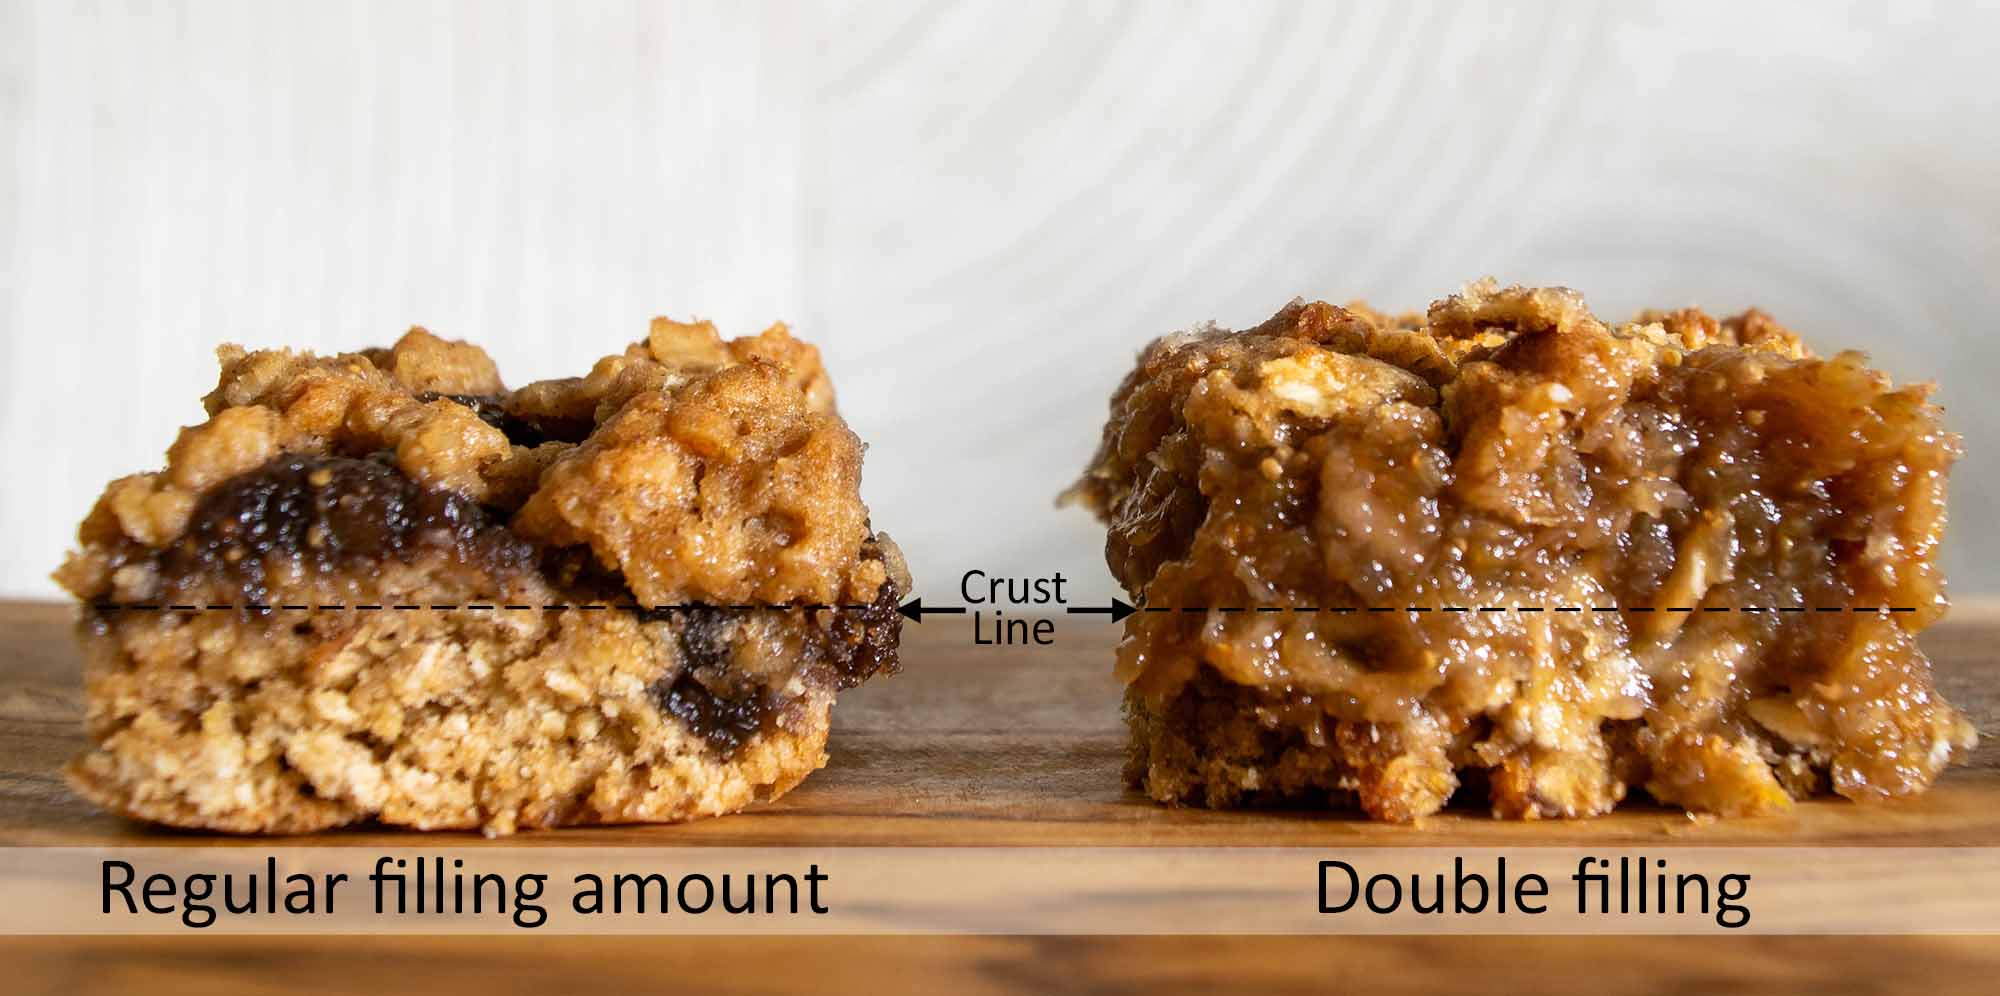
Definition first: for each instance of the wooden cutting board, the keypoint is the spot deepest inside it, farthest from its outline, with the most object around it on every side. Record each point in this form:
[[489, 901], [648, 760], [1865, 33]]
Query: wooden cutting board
[[1011, 746]]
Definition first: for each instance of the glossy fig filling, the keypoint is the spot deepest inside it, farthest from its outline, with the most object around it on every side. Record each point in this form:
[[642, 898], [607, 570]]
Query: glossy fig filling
[[321, 515]]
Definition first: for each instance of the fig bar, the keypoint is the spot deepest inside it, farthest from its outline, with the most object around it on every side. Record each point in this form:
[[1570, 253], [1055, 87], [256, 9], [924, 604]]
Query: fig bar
[[380, 586], [1508, 550]]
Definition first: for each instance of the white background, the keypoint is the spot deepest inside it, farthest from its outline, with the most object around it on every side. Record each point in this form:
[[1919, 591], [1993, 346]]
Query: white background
[[978, 211]]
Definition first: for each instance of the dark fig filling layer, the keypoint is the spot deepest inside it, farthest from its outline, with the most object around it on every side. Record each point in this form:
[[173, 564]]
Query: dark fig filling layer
[[520, 429], [728, 708], [327, 514]]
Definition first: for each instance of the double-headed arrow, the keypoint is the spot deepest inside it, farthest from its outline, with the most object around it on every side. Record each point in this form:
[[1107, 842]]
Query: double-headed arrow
[[915, 610]]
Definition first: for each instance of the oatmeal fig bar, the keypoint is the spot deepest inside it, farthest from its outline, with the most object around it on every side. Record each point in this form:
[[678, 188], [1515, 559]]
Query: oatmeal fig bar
[[380, 586], [1508, 549]]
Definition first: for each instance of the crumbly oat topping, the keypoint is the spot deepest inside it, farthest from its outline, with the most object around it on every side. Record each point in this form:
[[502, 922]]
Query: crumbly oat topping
[[1508, 449], [700, 470]]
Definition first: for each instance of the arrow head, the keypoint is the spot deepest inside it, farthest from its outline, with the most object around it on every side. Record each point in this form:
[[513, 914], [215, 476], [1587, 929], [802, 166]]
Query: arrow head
[[1120, 610], [914, 610]]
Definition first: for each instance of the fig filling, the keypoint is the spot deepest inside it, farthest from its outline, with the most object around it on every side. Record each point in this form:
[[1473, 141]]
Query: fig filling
[[863, 641], [724, 720], [712, 698], [520, 429], [326, 514]]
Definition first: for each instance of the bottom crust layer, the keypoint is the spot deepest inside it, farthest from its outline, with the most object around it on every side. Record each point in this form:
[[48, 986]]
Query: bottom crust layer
[[1222, 745], [502, 720]]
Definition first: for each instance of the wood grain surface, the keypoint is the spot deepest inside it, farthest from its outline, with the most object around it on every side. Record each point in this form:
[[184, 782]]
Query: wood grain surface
[[1152, 966], [991, 746]]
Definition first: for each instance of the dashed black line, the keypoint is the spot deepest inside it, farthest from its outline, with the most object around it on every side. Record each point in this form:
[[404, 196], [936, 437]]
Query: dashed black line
[[820, 607]]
